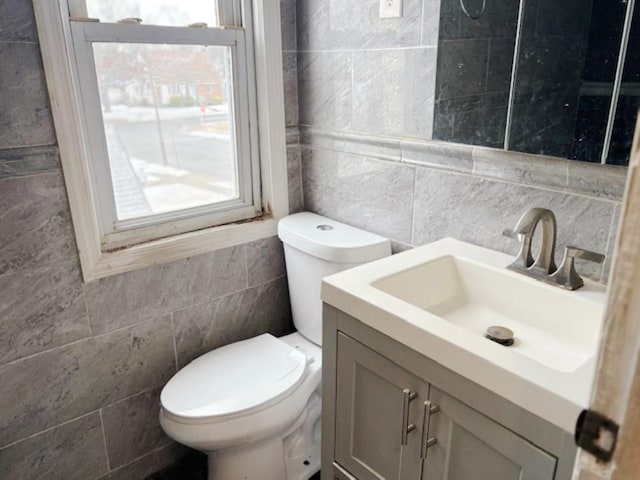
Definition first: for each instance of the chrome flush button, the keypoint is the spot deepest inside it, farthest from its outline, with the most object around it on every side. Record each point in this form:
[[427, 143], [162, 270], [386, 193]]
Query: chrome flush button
[[324, 227]]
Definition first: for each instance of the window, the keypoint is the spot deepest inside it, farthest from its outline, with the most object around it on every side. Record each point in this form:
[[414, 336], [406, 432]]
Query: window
[[158, 106]]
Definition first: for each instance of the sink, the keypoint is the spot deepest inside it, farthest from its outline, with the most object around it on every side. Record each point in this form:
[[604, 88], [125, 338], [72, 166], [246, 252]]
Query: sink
[[551, 326], [439, 300]]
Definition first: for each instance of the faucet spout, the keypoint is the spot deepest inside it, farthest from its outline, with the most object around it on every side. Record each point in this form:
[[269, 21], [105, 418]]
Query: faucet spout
[[543, 268], [526, 227]]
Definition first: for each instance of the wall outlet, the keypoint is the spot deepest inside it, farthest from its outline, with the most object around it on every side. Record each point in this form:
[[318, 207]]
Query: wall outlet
[[390, 8]]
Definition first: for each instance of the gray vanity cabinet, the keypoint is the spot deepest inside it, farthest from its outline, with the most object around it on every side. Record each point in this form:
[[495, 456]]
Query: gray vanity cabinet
[[378, 420], [472, 446], [390, 413]]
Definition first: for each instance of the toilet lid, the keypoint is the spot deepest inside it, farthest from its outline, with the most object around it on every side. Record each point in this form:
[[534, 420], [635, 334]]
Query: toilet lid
[[234, 378]]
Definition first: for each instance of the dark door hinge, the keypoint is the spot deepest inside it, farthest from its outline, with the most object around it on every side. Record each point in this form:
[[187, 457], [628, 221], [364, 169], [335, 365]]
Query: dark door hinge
[[596, 434]]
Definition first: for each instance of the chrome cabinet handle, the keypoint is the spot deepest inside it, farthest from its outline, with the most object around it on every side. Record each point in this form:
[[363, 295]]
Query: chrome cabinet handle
[[427, 442], [407, 397]]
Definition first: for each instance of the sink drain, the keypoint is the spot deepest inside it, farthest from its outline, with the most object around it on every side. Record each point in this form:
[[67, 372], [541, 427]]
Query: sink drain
[[501, 335]]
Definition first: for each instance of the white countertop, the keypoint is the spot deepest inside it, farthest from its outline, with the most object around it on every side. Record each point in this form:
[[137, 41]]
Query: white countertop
[[555, 396]]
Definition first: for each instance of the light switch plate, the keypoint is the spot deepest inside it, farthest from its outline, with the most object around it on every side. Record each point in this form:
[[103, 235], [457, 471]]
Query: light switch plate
[[390, 8]]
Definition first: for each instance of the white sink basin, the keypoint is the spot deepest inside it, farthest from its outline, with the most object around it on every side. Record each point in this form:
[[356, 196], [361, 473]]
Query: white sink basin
[[439, 300], [553, 327]]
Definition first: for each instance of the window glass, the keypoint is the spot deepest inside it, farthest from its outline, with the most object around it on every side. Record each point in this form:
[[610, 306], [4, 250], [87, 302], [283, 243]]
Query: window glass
[[155, 12], [168, 119]]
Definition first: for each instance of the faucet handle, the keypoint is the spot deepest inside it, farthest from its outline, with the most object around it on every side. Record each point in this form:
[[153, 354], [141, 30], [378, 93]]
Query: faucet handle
[[566, 275], [587, 255], [507, 232]]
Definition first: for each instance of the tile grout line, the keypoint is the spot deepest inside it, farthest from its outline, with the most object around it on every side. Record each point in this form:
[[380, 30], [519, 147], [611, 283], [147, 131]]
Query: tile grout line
[[448, 170], [246, 266], [104, 440], [413, 207], [173, 335], [86, 306], [421, 35], [121, 467], [75, 342], [46, 430], [300, 176]]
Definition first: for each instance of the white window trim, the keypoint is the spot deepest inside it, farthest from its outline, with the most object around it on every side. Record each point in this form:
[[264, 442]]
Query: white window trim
[[63, 92]]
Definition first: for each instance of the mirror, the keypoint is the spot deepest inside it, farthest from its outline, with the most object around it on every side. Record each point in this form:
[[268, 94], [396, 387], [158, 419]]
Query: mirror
[[549, 77]]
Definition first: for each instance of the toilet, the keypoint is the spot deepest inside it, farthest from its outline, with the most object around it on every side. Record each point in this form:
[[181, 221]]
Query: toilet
[[254, 406]]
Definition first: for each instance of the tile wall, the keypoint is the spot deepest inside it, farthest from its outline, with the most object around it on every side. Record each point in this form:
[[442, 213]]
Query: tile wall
[[474, 71], [364, 120], [82, 365]]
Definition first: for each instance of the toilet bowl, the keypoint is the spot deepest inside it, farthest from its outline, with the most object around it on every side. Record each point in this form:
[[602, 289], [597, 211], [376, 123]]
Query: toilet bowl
[[254, 406], [258, 391]]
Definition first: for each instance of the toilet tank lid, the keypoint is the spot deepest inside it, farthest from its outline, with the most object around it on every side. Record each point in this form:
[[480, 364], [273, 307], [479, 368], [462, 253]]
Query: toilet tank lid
[[331, 240], [235, 378]]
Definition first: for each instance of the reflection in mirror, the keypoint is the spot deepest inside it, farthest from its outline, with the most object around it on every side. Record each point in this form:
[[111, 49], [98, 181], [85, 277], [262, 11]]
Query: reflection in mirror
[[539, 76], [474, 70], [629, 99]]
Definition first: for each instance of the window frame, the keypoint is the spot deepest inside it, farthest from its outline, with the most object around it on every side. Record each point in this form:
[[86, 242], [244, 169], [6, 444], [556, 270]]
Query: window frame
[[265, 103]]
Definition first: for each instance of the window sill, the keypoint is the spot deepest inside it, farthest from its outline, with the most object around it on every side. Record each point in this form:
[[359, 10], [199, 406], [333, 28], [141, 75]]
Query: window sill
[[176, 247]]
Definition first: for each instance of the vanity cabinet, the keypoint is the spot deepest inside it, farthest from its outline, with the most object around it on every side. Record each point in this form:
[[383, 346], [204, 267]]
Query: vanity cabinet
[[391, 413]]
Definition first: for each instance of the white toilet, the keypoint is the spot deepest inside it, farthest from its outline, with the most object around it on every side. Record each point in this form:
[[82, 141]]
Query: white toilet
[[254, 406]]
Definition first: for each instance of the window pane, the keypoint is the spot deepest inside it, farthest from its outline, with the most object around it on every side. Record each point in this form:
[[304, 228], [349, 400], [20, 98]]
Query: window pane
[[168, 119], [155, 12]]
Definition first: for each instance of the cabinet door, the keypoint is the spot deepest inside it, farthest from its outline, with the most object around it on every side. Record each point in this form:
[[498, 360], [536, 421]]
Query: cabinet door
[[372, 410], [472, 446]]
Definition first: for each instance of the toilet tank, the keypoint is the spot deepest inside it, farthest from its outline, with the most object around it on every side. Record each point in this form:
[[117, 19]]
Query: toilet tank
[[314, 247]]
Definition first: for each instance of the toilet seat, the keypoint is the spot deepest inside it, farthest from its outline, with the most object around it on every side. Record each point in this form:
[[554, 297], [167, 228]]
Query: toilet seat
[[235, 379]]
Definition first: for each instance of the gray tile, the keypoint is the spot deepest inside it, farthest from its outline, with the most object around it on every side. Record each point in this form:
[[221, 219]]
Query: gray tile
[[207, 326], [25, 161], [124, 299], [612, 244], [324, 89], [477, 210], [265, 260], [74, 450], [569, 17], [370, 194], [329, 24], [151, 463], [450, 11], [294, 178], [462, 68], [430, 22], [438, 154], [35, 222], [477, 120], [55, 386], [500, 19], [293, 135], [327, 139], [17, 23], [393, 91], [550, 172], [288, 25], [290, 78], [132, 428], [500, 64], [544, 122], [25, 117], [373, 146], [606, 181], [40, 309]]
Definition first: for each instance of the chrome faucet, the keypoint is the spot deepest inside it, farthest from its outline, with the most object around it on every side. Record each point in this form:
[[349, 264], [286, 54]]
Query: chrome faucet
[[544, 268]]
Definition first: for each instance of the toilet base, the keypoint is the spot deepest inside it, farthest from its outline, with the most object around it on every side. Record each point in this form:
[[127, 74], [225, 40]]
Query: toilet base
[[292, 456], [263, 460]]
